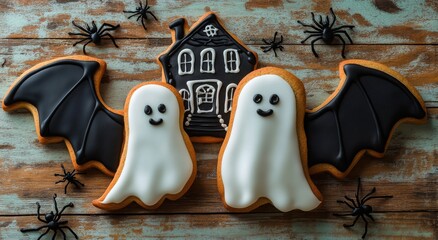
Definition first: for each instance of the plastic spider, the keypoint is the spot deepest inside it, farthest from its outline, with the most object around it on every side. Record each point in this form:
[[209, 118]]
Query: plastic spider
[[52, 222], [142, 13], [70, 177], [360, 209], [92, 34], [324, 30], [273, 45]]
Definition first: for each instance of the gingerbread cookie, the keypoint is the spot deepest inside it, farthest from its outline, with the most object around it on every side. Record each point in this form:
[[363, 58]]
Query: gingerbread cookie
[[205, 63], [158, 159], [263, 158], [64, 99], [360, 116]]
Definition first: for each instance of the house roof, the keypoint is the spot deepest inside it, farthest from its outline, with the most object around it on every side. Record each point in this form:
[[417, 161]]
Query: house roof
[[197, 35]]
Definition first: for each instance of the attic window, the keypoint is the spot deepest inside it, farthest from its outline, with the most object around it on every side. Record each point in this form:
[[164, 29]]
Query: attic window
[[186, 60], [231, 61], [208, 56]]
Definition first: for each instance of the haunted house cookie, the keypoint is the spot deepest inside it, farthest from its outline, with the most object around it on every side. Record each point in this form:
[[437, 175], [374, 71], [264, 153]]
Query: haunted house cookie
[[158, 159], [64, 98], [263, 158], [205, 63]]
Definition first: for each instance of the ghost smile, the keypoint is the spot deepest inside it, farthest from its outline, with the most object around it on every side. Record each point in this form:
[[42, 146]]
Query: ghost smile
[[155, 123], [265, 113]]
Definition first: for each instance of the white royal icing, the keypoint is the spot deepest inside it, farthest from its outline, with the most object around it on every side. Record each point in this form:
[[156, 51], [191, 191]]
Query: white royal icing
[[262, 157], [157, 160]]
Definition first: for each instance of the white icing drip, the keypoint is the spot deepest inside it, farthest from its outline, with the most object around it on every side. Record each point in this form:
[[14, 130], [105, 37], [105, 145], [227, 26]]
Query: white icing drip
[[262, 158], [157, 160]]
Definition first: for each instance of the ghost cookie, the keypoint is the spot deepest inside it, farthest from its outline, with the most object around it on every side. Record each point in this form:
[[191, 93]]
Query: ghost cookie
[[158, 159], [263, 158]]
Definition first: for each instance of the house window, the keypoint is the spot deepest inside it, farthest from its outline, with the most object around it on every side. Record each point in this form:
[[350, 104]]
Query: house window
[[205, 98], [186, 60], [186, 99], [231, 88], [231, 61], [208, 56]]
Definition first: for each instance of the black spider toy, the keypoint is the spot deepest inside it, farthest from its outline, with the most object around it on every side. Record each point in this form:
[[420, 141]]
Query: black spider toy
[[52, 222], [70, 178], [359, 208], [273, 45], [142, 13], [92, 34], [324, 30]]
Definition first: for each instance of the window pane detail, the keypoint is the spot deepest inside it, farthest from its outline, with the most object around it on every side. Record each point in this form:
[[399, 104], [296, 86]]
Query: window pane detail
[[186, 60], [231, 61], [208, 56]]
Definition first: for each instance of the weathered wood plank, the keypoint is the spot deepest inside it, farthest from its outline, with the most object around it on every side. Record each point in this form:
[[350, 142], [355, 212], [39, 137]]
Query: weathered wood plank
[[254, 226], [386, 22], [135, 62], [408, 171]]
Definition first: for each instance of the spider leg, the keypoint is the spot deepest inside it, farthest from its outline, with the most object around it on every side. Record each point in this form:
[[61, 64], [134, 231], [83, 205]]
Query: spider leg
[[112, 27], [74, 44], [365, 200], [275, 36], [76, 236], [327, 20], [313, 46], [281, 39], [83, 48], [281, 48], [311, 35], [346, 203], [139, 18], [369, 215], [265, 41], [33, 229], [63, 233], [81, 28], [63, 169], [111, 37], [343, 56], [366, 226], [83, 185], [354, 222], [42, 235], [60, 181], [56, 204], [38, 213], [314, 20], [307, 25], [130, 11], [320, 20], [275, 52], [54, 235], [133, 15], [346, 34], [65, 188], [62, 210], [342, 214], [311, 31], [152, 15], [344, 26], [334, 17], [266, 49], [351, 200], [144, 26]]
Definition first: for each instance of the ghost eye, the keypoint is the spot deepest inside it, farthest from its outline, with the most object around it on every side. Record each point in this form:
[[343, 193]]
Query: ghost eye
[[274, 99], [258, 98], [148, 110], [162, 108]]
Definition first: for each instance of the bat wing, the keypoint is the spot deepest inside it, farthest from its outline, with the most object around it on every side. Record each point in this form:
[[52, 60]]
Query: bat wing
[[63, 96], [359, 117]]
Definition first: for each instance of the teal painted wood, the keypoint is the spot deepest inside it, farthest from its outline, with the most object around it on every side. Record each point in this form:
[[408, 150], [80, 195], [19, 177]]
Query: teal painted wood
[[219, 226], [412, 22]]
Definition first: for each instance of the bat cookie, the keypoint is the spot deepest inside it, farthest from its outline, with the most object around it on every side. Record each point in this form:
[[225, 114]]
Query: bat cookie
[[360, 116], [263, 158], [158, 159], [64, 99]]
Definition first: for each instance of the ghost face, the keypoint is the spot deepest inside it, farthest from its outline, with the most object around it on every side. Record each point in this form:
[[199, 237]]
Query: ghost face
[[148, 111], [273, 100]]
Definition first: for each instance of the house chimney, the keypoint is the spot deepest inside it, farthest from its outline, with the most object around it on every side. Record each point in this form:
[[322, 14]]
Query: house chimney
[[178, 27]]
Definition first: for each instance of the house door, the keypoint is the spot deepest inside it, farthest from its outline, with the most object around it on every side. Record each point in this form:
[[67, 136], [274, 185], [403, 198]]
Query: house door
[[205, 98]]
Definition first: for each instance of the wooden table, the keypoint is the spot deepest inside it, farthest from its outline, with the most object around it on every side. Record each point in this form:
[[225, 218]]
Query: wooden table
[[403, 36]]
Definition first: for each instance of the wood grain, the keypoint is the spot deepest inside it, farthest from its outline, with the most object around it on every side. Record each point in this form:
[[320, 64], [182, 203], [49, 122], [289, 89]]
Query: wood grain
[[402, 34]]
